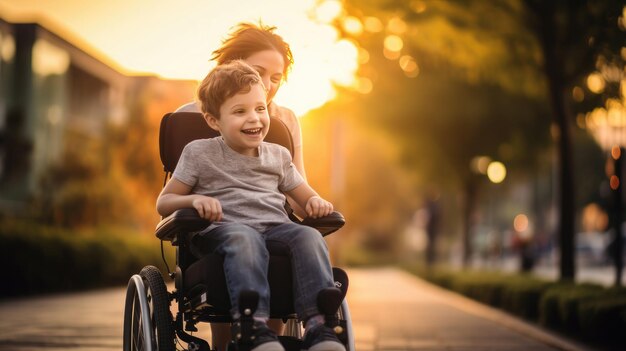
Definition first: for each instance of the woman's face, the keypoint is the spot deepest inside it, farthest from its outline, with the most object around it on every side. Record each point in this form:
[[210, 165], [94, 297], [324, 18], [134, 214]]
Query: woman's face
[[270, 65]]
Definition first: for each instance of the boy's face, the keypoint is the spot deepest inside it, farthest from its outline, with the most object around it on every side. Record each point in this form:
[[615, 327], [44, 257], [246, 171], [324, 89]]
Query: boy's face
[[244, 121]]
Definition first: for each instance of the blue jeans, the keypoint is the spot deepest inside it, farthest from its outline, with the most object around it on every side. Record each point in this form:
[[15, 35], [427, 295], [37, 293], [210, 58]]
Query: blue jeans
[[246, 261]]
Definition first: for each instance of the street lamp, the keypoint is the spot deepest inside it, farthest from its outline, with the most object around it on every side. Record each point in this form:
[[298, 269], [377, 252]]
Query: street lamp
[[608, 127]]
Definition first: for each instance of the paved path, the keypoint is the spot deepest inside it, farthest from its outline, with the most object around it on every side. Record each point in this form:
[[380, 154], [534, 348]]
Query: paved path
[[88, 321], [391, 310]]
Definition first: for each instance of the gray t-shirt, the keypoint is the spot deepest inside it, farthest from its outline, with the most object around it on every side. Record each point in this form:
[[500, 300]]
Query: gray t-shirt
[[248, 188]]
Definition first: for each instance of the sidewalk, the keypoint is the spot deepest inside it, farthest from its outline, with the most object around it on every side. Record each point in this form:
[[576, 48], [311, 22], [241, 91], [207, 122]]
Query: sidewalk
[[393, 310]]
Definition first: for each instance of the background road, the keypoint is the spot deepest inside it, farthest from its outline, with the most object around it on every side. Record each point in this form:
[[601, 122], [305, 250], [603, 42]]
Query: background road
[[391, 310]]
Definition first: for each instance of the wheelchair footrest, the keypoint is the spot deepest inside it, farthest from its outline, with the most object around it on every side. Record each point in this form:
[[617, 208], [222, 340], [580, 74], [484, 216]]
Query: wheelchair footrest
[[328, 302], [243, 329]]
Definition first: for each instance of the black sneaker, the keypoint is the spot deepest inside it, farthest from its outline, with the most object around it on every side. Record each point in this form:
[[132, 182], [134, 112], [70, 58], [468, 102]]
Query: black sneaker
[[322, 338], [263, 338]]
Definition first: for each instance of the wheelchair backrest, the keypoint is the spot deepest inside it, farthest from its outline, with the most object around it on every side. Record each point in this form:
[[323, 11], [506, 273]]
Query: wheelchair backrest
[[180, 128]]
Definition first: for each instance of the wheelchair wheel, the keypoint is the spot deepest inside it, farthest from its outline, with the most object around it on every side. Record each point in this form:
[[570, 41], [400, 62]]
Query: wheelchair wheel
[[344, 314], [148, 322]]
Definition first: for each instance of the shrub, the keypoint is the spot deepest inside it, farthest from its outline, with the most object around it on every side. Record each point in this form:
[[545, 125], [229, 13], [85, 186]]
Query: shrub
[[604, 319], [586, 311], [522, 295], [569, 302], [552, 305], [39, 259], [482, 286]]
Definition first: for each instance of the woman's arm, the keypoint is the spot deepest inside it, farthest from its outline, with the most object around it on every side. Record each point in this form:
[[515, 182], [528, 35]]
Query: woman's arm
[[299, 164], [293, 125], [176, 195], [298, 161]]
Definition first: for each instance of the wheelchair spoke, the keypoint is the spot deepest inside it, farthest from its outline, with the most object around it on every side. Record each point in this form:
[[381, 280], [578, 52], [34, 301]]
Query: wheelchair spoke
[[137, 337], [155, 335], [147, 321]]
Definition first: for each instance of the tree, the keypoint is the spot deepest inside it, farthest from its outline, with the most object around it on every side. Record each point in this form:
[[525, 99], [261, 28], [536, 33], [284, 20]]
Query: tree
[[459, 87], [537, 49], [576, 37]]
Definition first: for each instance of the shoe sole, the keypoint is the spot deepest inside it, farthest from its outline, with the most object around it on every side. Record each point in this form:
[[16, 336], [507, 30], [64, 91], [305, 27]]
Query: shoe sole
[[269, 346], [327, 346]]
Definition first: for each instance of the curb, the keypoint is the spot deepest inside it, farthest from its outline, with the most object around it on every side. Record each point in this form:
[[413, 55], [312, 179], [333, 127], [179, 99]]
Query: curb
[[503, 318]]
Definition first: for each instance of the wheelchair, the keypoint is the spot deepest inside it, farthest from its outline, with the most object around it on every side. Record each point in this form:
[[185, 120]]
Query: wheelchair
[[151, 319]]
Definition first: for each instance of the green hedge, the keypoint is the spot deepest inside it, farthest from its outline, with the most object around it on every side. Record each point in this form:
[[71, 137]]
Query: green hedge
[[587, 312], [603, 319], [37, 259], [559, 305], [484, 288]]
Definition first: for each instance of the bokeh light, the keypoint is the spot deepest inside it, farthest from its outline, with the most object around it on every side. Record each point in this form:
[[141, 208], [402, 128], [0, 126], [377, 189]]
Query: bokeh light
[[496, 172], [520, 223], [49, 59], [364, 85], [594, 219], [479, 164], [396, 25], [328, 10], [7, 47], [373, 24], [393, 43], [364, 56], [392, 46], [352, 25], [596, 83], [616, 152], [614, 182], [418, 6], [409, 66]]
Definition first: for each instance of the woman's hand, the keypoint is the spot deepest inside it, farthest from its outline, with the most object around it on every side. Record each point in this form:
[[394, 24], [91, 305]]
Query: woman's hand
[[207, 207], [317, 207]]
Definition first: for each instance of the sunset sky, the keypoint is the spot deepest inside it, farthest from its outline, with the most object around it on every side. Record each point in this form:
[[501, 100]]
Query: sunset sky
[[174, 39]]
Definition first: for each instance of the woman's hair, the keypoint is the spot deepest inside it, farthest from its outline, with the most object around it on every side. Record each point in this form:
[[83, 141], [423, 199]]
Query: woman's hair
[[223, 82], [247, 39]]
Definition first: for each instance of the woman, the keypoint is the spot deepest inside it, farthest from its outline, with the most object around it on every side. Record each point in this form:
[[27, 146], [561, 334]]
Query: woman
[[271, 56]]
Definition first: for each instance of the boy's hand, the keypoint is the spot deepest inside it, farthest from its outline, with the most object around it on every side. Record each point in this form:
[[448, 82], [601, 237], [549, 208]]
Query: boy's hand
[[208, 207], [317, 207]]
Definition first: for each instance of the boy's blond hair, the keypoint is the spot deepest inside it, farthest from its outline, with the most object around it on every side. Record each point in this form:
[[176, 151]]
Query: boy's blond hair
[[223, 82]]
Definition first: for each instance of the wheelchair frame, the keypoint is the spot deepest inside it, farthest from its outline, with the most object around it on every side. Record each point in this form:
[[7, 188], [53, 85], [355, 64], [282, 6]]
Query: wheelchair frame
[[148, 322]]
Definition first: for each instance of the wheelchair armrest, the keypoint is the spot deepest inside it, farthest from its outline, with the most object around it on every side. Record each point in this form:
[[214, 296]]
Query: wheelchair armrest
[[181, 221], [326, 225]]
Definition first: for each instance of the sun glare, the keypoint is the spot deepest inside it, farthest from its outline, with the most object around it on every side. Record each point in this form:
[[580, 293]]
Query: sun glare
[[175, 41], [328, 10]]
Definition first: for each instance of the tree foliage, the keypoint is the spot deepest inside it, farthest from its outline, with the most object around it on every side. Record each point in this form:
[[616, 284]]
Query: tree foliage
[[494, 77], [458, 86]]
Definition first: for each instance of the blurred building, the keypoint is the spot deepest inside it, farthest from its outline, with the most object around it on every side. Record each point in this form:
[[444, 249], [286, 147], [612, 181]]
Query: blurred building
[[50, 88]]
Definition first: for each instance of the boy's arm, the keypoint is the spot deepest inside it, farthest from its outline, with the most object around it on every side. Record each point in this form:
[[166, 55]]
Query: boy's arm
[[176, 195], [310, 201]]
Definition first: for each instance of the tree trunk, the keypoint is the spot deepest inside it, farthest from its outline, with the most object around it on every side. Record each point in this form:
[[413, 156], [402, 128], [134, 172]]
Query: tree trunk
[[556, 86]]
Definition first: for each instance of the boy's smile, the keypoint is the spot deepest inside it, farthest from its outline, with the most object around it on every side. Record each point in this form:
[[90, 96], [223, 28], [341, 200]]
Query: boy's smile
[[244, 120]]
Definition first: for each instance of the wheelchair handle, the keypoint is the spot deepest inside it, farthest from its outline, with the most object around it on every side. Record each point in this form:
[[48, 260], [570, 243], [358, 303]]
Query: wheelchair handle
[[182, 221], [327, 224]]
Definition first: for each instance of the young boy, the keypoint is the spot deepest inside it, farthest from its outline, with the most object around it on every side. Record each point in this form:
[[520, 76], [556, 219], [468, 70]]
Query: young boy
[[237, 181]]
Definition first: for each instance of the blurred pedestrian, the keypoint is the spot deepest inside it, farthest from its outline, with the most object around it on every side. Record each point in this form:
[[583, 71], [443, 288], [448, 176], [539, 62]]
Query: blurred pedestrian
[[432, 227]]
